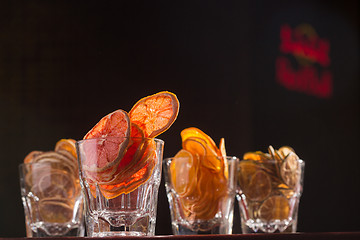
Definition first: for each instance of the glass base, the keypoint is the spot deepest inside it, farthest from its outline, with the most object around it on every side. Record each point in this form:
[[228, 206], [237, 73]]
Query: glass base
[[142, 226], [276, 226], [55, 230], [201, 227], [118, 233]]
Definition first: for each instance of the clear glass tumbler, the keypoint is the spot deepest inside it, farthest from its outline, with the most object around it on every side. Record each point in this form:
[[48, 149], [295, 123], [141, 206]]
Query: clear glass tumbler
[[51, 195], [207, 206], [269, 194], [120, 178]]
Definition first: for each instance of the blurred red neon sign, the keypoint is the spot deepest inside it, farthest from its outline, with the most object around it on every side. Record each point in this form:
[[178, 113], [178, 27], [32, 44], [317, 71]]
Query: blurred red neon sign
[[310, 75]]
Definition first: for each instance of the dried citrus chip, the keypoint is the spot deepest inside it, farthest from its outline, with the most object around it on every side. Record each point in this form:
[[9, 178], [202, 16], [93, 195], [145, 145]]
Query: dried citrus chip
[[67, 145], [130, 177], [285, 151], [209, 157], [156, 113], [290, 170], [56, 210], [183, 172], [224, 158], [57, 183], [99, 157], [195, 132], [195, 146], [259, 186], [247, 169], [30, 157], [275, 207], [57, 159]]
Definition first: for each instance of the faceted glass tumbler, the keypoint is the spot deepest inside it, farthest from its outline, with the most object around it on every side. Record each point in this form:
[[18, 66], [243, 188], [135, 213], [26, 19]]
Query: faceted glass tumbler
[[51, 195], [120, 198], [203, 211], [269, 194]]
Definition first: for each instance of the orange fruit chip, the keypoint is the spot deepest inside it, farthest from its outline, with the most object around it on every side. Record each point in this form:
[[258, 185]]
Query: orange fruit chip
[[195, 132], [156, 113], [209, 157], [290, 170], [275, 207], [285, 151], [57, 184], [100, 157], [259, 186], [224, 156], [55, 210], [247, 169], [30, 157], [183, 172], [67, 145]]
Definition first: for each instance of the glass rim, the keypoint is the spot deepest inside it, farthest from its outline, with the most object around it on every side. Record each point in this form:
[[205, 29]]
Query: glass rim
[[103, 138], [301, 161], [227, 157], [40, 163]]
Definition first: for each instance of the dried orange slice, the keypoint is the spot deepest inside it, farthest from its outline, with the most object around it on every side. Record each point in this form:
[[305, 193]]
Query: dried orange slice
[[259, 187], [210, 157], [183, 172], [224, 156], [284, 151], [275, 207], [247, 169], [156, 113], [100, 157], [56, 210], [195, 132], [57, 184], [30, 157], [67, 145], [290, 170]]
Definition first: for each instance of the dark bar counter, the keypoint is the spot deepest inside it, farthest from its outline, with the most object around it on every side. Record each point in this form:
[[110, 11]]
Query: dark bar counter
[[259, 236]]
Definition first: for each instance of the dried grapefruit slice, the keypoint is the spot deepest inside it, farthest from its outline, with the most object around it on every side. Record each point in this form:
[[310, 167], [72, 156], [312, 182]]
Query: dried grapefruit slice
[[155, 113], [128, 180], [101, 155]]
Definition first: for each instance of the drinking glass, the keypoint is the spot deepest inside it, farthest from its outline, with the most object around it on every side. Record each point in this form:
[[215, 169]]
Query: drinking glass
[[269, 194], [52, 200], [120, 184], [208, 205]]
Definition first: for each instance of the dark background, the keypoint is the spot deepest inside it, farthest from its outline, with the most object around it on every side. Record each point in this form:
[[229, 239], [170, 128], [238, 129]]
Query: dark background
[[66, 64]]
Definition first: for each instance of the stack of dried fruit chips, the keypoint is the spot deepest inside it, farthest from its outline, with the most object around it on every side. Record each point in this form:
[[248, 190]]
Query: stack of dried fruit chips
[[55, 183], [125, 160], [269, 181], [199, 175]]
